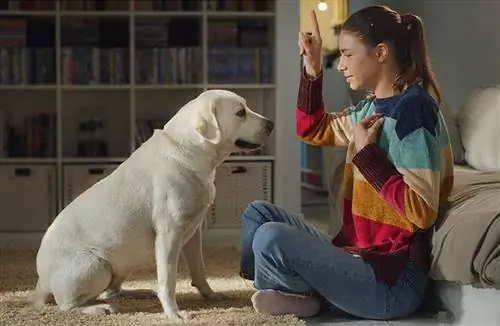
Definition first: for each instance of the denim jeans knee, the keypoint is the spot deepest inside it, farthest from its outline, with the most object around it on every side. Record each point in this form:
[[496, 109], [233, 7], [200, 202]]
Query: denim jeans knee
[[257, 207], [253, 218], [272, 259], [269, 237]]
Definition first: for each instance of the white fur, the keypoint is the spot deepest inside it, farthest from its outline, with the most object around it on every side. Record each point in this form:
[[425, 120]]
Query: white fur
[[150, 209]]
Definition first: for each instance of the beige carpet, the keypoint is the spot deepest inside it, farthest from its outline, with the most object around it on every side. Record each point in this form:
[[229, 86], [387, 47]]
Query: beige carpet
[[18, 277]]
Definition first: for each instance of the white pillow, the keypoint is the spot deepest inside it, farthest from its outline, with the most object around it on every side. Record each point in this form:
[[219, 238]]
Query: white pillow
[[454, 132], [479, 123]]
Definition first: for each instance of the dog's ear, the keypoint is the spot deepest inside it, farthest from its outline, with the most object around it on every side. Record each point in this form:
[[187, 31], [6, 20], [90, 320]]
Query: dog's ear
[[205, 123]]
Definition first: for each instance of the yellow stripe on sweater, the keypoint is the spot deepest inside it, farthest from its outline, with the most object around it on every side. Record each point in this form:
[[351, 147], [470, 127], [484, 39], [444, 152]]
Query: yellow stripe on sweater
[[371, 206]]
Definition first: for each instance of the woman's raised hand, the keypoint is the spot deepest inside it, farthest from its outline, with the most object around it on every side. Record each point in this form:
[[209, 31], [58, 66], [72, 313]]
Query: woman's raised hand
[[310, 46]]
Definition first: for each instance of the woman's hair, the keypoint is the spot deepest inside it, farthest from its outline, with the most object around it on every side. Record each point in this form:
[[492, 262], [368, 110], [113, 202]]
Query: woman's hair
[[406, 36]]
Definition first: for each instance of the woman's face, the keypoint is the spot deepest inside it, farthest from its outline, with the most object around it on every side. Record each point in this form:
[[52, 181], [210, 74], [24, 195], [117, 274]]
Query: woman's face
[[359, 64]]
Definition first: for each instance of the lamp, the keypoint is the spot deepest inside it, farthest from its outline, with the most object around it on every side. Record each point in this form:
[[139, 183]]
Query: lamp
[[322, 5]]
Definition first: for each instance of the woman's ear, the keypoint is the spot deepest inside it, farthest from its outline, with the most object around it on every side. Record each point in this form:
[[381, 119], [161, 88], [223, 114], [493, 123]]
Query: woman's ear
[[382, 52]]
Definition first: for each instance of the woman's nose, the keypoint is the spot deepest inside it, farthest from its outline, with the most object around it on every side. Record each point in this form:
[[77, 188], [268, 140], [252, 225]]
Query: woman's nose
[[340, 66]]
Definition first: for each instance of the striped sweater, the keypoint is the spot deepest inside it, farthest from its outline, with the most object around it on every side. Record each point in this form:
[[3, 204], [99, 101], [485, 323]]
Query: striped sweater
[[392, 188]]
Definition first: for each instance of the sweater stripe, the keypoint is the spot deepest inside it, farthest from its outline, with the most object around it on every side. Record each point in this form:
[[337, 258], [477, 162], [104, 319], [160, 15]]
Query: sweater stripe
[[363, 232], [323, 129], [374, 209], [315, 128]]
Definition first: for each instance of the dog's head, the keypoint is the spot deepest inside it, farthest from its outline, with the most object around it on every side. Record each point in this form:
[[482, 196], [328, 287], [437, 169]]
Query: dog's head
[[223, 119]]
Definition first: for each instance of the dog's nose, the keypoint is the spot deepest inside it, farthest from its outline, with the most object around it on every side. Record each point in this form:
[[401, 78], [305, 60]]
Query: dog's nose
[[269, 126]]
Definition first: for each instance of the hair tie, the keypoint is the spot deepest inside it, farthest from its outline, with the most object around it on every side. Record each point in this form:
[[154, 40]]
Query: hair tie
[[407, 20]]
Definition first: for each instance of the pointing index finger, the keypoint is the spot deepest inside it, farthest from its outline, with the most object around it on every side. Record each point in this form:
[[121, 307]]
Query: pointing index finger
[[315, 24]]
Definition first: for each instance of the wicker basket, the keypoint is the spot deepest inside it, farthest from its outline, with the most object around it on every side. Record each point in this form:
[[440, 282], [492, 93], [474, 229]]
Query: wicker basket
[[78, 178], [238, 183]]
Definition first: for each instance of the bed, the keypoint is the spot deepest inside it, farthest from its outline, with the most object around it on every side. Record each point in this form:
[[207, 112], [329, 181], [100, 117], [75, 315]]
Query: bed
[[465, 255]]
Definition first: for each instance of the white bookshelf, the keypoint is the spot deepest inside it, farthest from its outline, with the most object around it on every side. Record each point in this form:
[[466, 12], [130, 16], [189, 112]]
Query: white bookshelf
[[122, 104]]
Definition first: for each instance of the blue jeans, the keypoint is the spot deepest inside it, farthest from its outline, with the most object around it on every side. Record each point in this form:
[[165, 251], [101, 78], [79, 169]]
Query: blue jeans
[[281, 251]]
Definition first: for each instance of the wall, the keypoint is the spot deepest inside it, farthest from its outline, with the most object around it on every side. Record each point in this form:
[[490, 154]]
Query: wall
[[464, 44]]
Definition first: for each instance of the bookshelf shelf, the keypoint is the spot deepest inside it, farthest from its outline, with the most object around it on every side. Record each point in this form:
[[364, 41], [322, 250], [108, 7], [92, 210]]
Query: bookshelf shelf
[[123, 70]]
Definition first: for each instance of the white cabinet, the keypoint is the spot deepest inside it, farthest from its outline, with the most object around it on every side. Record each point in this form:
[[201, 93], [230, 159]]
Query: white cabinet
[[238, 183], [79, 177], [27, 197]]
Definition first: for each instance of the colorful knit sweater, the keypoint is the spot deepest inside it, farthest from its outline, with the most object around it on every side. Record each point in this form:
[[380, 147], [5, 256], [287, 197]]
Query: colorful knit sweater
[[393, 188]]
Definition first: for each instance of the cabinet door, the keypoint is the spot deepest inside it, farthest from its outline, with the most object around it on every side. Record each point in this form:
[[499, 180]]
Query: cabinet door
[[27, 197], [78, 178], [237, 185]]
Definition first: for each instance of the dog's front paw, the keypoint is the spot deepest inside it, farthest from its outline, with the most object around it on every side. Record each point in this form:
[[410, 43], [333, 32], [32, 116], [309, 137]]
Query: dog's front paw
[[178, 315]]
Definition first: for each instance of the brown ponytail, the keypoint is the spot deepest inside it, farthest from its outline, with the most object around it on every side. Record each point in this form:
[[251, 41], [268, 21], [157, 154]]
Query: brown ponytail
[[405, 33], [414, 62]]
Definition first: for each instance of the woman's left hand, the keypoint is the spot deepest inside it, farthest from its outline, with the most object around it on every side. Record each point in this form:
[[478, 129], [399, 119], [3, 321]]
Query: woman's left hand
[[366, 131]]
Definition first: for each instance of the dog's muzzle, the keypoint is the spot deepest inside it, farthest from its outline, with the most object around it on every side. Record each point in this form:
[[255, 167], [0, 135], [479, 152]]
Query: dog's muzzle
[[243, 144]]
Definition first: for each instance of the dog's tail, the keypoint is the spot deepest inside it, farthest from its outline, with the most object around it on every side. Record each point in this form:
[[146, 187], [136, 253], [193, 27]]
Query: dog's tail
[[40, 296]]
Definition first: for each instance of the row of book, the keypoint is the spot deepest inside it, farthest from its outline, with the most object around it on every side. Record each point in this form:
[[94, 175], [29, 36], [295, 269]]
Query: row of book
[[184, 65], [240, 5], [27, 65], [35, 136], [140, 5], [91, 65], [240, 65], [169, 65]]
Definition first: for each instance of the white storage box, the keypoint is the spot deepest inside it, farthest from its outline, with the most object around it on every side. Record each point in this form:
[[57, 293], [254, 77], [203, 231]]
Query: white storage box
[[79, 177], [239, 183], [28, 197]]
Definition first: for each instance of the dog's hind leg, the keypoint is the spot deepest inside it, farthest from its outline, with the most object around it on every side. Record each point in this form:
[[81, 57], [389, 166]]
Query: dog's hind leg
[[39, 296], [77, 282], [115, 290]]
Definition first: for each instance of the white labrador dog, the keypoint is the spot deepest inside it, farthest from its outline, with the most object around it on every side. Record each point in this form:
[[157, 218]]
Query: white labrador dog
[[149, 210]]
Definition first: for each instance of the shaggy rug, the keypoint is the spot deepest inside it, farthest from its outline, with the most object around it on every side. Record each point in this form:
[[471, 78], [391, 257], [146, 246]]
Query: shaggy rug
[[18, 278]]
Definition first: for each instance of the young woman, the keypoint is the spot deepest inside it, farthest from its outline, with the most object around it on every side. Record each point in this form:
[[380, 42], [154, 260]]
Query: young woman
[[398, 172]]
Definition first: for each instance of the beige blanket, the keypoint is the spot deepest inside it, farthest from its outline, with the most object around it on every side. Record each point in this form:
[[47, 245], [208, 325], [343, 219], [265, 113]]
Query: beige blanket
[[466, 239]]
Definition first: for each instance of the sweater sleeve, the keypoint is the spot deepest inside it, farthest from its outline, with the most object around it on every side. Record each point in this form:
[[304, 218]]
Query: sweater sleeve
[[314, 125], [412, 184]]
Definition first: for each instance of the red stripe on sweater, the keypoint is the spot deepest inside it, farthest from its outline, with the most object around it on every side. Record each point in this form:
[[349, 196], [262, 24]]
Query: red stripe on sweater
[[393, 192], [307, 121], [362, 232]]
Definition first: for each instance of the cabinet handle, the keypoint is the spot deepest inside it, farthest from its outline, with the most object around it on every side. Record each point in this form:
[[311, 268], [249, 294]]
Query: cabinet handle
[[22, 172], [238, 169], [95, 171]]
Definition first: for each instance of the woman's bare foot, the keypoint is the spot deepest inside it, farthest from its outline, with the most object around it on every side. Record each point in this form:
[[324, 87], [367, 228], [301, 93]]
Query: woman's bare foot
[[272, 302]]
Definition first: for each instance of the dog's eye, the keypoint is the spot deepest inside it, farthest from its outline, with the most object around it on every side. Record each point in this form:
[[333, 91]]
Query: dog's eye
[[241, 113]]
